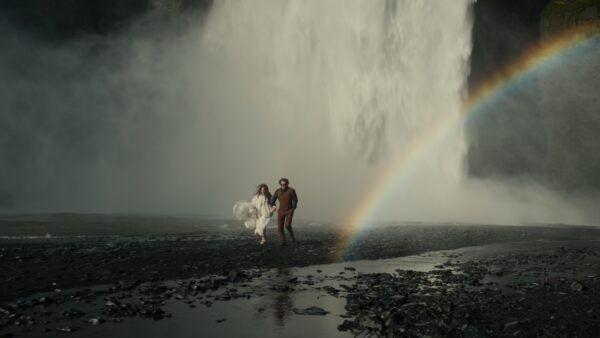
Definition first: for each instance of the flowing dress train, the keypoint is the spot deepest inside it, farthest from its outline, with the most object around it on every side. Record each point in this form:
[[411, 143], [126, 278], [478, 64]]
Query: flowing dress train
[[255, 214]]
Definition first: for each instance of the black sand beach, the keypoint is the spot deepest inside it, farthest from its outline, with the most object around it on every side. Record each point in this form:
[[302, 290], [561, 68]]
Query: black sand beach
[[86, 250], [481, 291]]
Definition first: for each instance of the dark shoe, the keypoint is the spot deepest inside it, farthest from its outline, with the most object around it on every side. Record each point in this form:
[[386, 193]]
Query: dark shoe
[[283, 244]]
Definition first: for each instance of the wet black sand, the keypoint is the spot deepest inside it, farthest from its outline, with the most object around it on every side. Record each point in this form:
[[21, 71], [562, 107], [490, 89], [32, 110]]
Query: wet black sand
[[207, 255], [524, 289]]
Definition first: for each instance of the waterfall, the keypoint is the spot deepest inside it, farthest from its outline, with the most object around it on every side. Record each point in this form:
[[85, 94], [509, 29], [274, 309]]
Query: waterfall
[[376, 72], [341, 87]]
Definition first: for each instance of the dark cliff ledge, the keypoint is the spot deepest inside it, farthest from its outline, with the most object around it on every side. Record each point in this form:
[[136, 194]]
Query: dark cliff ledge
[[546, 129], [561, 15], [502, 30]]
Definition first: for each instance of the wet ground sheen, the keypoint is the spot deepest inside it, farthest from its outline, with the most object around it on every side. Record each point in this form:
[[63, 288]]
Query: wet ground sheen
[[215, 280]]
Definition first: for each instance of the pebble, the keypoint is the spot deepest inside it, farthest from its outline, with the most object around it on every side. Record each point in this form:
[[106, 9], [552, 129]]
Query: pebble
[[311, 311]]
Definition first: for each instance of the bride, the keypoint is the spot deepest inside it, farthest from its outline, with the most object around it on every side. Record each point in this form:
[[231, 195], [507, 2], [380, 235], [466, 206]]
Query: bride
[[256, 214]]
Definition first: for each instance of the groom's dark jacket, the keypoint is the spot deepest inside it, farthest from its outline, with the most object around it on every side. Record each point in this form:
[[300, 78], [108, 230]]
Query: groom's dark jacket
[[288, 200]]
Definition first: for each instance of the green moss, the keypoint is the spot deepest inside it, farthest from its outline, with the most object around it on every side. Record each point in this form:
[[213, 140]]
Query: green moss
[[565, 6]]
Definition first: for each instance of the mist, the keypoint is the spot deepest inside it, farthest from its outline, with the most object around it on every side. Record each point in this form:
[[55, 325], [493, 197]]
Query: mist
[[189, 114]]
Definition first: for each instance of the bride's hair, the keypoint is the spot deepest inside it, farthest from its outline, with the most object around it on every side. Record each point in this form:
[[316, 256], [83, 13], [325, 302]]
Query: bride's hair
[[260, 186]]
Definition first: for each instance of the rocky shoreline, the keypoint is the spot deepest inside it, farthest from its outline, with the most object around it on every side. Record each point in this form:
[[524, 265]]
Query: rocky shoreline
[[529, 295], [550, 292], [45, 264]]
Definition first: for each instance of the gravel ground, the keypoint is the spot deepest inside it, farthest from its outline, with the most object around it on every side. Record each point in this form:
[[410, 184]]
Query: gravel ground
[[555, 293], [191, 248], [507, 293]]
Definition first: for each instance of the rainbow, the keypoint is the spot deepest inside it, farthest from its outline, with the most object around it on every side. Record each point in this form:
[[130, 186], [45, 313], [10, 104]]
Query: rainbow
[[547, 53]]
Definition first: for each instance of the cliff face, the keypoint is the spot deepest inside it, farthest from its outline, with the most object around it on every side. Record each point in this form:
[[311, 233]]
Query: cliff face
[[502, 139], [546, 127], [561, 15], [502, 30], [571, 116]]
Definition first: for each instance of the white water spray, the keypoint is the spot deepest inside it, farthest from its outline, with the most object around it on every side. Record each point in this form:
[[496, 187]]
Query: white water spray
[[326, 93], [377, 72], [339, 88]]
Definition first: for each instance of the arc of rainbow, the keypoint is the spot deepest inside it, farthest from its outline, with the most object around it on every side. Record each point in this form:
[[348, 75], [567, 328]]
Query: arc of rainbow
[[545, 53]]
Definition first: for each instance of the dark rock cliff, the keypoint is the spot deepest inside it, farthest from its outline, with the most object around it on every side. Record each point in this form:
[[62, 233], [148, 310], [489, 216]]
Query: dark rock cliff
[[545, 128], [560, 15]]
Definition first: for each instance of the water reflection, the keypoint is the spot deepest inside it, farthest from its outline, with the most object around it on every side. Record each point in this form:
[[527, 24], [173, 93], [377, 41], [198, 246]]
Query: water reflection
[[269, 312], [282, 298]]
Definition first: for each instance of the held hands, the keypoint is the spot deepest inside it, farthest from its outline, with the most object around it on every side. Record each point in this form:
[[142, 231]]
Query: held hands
[[272, 210]]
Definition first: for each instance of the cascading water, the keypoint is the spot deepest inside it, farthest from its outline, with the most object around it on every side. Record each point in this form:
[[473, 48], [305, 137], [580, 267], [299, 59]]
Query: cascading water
[[377, 72], [340, 89]]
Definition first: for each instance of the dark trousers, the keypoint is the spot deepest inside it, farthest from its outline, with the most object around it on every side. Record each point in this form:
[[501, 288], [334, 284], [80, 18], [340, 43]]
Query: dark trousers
[[284, 218]]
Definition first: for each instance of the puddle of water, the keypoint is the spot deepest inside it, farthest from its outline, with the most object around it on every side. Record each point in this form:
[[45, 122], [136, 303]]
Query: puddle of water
[[269, 311], [423, 263], [266, 316]]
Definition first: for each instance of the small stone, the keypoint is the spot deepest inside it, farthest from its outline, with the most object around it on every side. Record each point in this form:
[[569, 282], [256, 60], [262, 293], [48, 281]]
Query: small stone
[[311, 311], [66, 329], [232, 275], [95, 321], [73, 313], [346, 326]]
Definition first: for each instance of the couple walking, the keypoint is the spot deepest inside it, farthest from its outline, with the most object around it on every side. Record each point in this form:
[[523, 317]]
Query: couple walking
[[257, 214]]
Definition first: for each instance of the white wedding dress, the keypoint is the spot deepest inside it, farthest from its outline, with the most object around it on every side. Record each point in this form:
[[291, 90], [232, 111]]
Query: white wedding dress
[[256, 214]]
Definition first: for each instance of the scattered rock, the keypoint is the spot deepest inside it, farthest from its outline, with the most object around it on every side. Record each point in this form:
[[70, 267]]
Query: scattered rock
[[67, 329], [232, 276], [73, 313], [311, 311], [95, 321]]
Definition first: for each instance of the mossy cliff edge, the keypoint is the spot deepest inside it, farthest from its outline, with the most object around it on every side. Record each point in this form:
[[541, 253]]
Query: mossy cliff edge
[[560, 15]]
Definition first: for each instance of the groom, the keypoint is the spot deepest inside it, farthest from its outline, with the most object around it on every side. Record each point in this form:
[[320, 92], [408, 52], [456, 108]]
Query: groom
[[288, 201]]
